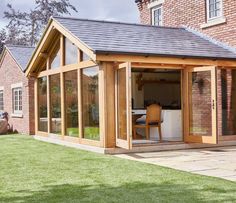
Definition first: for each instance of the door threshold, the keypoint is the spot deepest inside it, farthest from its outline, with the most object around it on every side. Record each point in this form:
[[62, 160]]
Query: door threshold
[[167, 147]]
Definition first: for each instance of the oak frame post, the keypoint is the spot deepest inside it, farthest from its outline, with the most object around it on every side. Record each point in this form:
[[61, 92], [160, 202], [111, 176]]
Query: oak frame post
[[36, 105], [62, 63]]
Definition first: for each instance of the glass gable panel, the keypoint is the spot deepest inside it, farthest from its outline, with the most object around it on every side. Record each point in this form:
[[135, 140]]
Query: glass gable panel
[[71, 52], [55, 58]]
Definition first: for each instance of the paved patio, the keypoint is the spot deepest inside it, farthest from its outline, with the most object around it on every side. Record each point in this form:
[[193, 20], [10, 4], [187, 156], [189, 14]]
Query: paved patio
[[218, 162]]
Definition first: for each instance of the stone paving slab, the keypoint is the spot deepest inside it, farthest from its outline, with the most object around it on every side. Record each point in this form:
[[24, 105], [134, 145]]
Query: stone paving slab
[[217, 162]]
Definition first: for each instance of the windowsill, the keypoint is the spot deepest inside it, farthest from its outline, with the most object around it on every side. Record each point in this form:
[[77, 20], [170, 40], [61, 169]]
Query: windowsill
[[213, 22], [18, 115]]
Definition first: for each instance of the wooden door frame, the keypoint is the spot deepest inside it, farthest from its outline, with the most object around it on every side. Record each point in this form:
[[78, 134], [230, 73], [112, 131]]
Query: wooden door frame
[[126, 144], [213, 139]]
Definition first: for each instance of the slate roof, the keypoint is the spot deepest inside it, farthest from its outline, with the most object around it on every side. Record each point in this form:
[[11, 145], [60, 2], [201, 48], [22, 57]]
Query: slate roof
[[125, 38], [21, 54]]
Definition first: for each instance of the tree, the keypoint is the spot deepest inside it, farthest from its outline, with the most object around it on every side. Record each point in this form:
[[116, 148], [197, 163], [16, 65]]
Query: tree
[[3, 36], [25, 27]]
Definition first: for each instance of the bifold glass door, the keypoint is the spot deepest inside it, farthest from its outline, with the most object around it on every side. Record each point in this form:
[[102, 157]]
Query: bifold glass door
[[123, 106], [201, 105]]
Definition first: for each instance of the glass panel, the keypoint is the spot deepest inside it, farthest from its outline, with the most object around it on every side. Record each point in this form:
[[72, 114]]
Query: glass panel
[[55, 59], [200, 103], [228, 98], [90, 102], [71, 52], [20, 99], [71, 103], [85, 57], [121, 104], [42, 104], [55, 100]]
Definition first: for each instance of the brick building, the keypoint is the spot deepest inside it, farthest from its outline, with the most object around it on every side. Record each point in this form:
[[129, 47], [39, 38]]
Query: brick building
[[215, 18], [16, 90]]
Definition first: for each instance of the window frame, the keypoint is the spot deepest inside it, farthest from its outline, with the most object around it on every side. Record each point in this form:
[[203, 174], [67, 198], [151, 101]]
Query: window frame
[[208, 10], [155, 9], [1, 102], [17, 103]]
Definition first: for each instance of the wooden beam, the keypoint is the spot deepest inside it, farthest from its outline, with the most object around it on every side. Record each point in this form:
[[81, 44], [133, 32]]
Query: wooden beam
[[63, 126], [48, 105], [80, 110], [43, 55], [156, 66], [62, 50], [36, 105], [165, 60], [102, 104], [71, 67]]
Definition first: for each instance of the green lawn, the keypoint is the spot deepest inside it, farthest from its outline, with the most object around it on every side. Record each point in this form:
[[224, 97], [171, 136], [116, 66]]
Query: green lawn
[[33, 171]]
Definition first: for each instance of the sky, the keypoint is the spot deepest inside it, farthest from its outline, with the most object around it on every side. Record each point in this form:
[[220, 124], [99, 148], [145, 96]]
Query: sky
[[113, 10]]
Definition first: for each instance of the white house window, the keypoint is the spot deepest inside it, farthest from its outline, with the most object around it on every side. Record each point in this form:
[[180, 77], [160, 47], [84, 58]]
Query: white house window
[[1, 101], [214, 9], [17, 100], [157, 16]]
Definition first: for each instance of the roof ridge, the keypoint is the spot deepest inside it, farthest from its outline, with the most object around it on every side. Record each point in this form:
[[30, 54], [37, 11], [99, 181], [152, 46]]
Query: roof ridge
[[115, 22], [210, 39]]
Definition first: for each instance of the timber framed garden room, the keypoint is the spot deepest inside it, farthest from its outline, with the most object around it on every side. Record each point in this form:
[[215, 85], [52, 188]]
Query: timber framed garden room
[[101, 83]]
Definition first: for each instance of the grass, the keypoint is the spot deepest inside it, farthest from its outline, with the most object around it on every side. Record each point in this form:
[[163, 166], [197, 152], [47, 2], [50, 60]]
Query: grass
[[91, 133], [33, 171]]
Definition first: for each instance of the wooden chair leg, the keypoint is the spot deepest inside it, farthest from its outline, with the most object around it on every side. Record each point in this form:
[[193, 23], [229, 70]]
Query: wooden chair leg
[[160, 135], [134, 133], [147, 133]]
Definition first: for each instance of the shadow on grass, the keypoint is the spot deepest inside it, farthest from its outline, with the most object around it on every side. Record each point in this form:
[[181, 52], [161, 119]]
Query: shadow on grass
[[130, 192]]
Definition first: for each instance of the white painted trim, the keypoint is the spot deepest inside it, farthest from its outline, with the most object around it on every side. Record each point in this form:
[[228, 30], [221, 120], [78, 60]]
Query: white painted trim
[[216, 21], [17, 115], [16, 85], [213, 18], [155, 3]]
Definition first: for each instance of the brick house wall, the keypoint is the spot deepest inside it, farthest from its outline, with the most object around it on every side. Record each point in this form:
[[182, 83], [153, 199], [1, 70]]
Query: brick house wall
[[192, 13], [11, 73]]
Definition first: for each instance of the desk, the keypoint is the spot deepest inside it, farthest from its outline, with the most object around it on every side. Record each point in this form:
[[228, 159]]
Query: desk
[[171, 126]]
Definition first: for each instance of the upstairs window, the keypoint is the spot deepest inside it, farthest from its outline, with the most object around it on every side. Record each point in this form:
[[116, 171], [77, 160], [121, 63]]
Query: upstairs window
[[214, 9], [1, 101], [157, 16]]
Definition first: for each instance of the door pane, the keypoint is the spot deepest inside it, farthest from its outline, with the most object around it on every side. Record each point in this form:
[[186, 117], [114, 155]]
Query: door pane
[[122, 104], [228, 86], [200, 112], [71, 103], [42, 104], [90, 102], [55, 100]]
